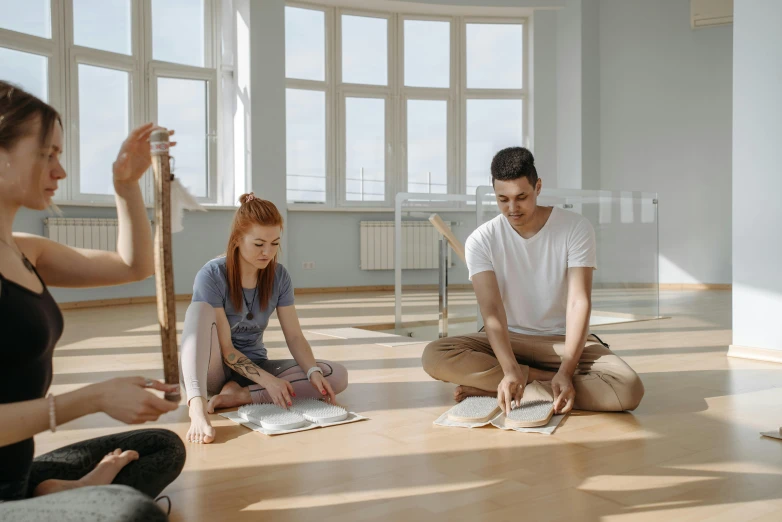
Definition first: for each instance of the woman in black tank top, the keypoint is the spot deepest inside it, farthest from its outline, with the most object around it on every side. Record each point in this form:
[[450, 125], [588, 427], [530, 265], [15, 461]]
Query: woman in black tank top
[[72, 483]]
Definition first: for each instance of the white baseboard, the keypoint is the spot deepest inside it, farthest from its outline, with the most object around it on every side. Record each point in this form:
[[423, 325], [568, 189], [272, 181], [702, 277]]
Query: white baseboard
[[756, 354]]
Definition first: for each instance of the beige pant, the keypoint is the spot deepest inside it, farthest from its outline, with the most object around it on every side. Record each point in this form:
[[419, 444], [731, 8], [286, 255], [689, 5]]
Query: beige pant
[[602, 380]]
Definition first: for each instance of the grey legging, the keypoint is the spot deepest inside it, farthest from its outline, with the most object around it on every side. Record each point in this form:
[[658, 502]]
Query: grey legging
[[203, 370], [128, 499]]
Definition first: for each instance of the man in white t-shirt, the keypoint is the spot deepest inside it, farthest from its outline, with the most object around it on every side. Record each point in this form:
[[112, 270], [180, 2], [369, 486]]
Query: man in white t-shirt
[[531, 268]]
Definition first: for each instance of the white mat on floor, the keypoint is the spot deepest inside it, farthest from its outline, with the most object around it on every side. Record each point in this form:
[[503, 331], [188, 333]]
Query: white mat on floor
[[234, 416], [499, 422]]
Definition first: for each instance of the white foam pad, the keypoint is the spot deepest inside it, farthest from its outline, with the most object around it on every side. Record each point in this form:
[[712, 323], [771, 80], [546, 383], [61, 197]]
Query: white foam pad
[[271, 417], [474, 409], [531, 413], [319, 412]]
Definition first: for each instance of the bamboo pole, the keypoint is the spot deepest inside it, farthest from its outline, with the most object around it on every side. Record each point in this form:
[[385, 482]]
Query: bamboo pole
[[164, 267]]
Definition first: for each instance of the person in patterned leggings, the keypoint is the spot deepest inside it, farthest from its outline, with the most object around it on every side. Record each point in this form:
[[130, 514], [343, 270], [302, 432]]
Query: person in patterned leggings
[[109, 478]]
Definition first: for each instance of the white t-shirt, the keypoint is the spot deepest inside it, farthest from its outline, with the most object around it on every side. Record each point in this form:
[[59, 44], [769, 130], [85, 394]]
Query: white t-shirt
[[532, 273]]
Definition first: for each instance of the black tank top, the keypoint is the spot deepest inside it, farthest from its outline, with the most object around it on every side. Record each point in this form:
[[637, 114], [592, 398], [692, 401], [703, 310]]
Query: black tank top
[[31, 324]]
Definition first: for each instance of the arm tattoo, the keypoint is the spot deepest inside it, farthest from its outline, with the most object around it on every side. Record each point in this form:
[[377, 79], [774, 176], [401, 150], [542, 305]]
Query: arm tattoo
[[243, 366]]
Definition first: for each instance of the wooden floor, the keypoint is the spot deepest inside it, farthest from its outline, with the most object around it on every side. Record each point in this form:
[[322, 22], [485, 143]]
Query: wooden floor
[[692, 450]]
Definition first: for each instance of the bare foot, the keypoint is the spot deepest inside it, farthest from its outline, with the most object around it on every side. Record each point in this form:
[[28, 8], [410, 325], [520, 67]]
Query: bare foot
[[201, 430], [103, 474], [462, 392], [231, 395]]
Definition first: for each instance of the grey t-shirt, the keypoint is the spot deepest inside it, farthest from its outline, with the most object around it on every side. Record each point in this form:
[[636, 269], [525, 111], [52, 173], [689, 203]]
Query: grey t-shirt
[[211, 286]]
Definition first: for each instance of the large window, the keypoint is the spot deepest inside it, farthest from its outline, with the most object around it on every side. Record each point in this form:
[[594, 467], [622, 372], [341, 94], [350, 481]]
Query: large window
[[381, 103], [111, 65]]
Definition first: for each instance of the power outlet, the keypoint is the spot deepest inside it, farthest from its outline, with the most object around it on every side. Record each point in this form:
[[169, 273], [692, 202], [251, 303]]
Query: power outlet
[[308, 265]]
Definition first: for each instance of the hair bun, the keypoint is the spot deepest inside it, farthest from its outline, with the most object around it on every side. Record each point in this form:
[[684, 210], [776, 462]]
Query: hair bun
[[245, 198]]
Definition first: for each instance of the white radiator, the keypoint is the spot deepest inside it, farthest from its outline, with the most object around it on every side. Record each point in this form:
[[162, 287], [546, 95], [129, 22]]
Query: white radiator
[[420, 244], [93, 233]]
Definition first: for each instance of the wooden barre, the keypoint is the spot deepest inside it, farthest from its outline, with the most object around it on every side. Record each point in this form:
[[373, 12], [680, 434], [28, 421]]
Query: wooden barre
[[438, 223]]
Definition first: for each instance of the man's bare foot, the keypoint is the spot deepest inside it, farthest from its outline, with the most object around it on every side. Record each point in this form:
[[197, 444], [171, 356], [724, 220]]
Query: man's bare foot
[[462, 392], [103, 474], [201, 430], [231, 395]]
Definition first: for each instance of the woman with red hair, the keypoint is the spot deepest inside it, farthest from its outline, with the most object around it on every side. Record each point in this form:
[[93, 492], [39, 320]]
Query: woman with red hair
[[222, 343]]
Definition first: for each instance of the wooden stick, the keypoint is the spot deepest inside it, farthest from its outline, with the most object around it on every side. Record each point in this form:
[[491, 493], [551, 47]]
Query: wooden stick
[[446, 231], [164, 266]]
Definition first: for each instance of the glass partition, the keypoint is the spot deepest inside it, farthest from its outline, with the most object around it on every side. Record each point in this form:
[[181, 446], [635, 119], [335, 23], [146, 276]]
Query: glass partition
[[625, 286]]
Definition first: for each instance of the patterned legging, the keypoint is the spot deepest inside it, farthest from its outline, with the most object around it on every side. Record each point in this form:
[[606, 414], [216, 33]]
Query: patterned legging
[[128, 499]]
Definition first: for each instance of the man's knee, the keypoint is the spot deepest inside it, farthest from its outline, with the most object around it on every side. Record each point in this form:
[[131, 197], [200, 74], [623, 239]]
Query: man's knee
[[432, 358], [632, 391]]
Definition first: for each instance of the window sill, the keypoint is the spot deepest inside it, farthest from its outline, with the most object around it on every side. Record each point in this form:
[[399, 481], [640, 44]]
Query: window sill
[[112, 204], [377, 210]]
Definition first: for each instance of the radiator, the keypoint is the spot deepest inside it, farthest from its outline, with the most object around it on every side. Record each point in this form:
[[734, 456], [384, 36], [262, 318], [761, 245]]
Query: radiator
[[93, 233], [420, 242]]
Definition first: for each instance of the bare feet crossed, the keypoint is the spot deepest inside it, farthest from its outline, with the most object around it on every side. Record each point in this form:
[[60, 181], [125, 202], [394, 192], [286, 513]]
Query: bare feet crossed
[[230, 396]]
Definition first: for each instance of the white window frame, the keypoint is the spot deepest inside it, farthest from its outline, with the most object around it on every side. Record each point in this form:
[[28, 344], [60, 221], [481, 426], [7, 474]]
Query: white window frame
[[77, 55], [389, 92], [47, 47], [27, 43], [326, 87], [397, 96], [64, 58], [159, 70], [466, 94], [447, 94]]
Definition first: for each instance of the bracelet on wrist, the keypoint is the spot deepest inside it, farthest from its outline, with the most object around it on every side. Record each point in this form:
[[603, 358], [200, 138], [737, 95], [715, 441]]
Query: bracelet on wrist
[[52, 413], [313, 370]]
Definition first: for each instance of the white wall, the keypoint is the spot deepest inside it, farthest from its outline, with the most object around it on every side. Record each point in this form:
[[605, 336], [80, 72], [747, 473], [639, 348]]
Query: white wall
[[757, 180], [665, 126], [543, 114], [267, 87]]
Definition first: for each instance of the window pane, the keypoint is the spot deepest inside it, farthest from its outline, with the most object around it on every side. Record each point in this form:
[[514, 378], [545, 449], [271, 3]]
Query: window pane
[[494, 56], [365, 139], [178, 31], [28, 71], [305, 44], [364, 50], [306, 144], [103, 125], [102, 24], [182, 106], [427, 146], [492, 125], [31, 17], [427, 53]]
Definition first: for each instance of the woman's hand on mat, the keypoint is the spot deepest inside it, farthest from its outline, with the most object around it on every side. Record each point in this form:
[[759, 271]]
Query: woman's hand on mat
[[134, 156], [511, 389], [323, 386], [279, 390], [564, 393], [127, 399]]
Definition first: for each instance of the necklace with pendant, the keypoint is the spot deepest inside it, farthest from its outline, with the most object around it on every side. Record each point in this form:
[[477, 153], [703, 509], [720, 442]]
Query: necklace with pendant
[[26, 262], [250, 305]]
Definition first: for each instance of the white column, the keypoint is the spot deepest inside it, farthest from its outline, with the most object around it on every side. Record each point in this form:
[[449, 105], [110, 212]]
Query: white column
[[757, 179]]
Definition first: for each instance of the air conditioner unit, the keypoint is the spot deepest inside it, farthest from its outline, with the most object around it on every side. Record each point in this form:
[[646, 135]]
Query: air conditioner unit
[[706, 13]]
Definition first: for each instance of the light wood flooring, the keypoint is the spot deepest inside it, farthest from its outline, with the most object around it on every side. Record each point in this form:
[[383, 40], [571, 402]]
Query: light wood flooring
[[692, 451]]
